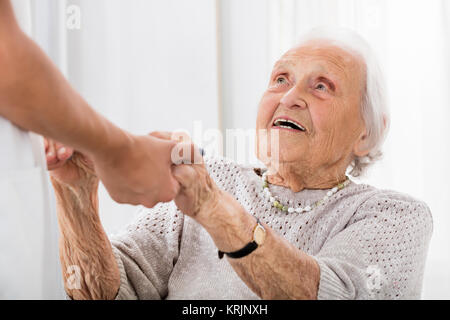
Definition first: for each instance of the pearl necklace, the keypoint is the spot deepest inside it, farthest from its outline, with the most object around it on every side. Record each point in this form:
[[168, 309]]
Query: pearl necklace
[[276, 203]]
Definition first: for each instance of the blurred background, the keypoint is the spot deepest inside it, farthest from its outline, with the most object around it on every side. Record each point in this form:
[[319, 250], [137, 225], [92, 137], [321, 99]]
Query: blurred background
[[166, 65]]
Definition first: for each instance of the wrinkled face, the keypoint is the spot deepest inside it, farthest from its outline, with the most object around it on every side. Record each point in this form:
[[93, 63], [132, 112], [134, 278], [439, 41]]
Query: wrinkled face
[[313, 101]]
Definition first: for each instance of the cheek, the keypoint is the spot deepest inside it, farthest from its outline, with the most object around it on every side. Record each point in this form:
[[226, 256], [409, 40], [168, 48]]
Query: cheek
[[323, 117], [335, 130], [266, 110], [328, 127]]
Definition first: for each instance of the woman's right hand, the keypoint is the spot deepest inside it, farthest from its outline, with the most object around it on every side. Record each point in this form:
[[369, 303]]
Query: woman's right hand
[[66, 165], [75, 184]]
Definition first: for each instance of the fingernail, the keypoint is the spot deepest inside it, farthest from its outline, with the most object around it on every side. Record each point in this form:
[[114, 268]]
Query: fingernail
[[62, 151], [50, 154]]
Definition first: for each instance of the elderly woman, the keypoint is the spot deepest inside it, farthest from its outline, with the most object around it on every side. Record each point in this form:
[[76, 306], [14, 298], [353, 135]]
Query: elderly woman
[[297, 229]]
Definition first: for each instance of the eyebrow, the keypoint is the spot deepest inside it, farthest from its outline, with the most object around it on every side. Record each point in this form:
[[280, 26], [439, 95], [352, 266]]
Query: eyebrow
[[323, 73], [290, 63]]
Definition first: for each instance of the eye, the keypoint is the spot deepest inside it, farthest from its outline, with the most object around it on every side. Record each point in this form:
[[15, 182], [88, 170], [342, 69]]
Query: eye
[[280, 80], [321, 87]]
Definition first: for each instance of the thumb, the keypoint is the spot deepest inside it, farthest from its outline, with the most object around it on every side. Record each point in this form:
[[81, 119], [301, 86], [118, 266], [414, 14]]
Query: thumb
[[174, 184], [184, 174]]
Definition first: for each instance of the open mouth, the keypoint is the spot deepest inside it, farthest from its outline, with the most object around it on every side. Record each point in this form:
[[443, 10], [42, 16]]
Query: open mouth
[[287, 124]]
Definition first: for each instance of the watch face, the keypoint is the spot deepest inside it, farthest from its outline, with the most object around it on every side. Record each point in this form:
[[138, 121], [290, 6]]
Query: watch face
[[259, 235]]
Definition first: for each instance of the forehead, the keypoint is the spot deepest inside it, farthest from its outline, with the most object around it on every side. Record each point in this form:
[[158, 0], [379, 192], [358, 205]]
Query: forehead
[[323, 57]]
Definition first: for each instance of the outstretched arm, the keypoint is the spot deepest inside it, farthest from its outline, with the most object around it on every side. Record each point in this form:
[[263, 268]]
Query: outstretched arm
[[89, 267], [277, 269], [34, 95]]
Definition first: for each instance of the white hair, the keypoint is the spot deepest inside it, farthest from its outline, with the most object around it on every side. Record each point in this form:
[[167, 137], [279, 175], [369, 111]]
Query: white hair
[[374, 109]]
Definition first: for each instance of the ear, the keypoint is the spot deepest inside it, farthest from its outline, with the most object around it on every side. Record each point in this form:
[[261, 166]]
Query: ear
[[360, 148]]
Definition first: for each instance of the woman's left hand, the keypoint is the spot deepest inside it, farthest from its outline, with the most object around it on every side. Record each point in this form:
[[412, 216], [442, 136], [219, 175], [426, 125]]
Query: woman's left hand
[[198, 196]]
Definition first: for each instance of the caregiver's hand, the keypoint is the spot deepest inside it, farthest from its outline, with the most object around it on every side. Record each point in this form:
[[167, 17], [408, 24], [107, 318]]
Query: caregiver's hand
[[138, 171]]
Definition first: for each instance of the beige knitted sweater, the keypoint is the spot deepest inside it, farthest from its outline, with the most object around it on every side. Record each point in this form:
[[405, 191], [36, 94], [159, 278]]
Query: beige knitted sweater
[[369, 243]]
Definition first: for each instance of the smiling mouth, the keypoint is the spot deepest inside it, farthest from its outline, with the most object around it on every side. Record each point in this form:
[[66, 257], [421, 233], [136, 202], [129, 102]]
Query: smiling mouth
[[288, 124]]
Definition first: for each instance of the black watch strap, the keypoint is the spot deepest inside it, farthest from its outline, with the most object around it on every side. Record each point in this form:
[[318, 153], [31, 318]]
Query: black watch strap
[[249, 248]]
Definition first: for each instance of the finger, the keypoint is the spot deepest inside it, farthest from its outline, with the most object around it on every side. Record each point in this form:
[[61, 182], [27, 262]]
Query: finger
[[62, 152], [123, 198], [45, 144], [165, 195], [165, 135], [51, 154], [148, 203], [184, 174]]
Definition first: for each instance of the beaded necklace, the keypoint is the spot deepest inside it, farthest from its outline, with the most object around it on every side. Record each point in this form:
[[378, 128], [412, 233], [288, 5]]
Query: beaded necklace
[[277, 204]]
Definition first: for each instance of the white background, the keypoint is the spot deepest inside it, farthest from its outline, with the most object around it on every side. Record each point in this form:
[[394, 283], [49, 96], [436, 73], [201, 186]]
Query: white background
[[161, 65]]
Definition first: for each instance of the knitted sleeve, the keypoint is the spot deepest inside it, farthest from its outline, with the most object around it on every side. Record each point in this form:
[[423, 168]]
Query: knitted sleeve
[[380, 254], [147, 251]]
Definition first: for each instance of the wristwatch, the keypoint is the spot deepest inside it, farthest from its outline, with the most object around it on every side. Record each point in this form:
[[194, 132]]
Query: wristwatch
[[259, 236]]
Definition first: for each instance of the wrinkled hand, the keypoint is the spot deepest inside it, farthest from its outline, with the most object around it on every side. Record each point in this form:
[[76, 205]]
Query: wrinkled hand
[[67, 166], [198, 196]]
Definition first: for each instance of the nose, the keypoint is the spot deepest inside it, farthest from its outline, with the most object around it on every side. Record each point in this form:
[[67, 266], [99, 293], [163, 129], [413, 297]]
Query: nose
[[293, 98]]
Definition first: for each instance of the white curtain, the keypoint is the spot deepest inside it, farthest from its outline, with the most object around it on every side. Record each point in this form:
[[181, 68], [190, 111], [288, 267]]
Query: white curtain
[[162, 65]]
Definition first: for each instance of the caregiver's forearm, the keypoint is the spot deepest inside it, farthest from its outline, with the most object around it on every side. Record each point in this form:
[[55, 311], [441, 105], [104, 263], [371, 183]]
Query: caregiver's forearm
[[84, 245], [35, 95], [275, 270]]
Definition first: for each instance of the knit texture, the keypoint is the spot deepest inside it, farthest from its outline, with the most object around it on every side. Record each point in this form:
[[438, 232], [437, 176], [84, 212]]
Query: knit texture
[[369, 243]]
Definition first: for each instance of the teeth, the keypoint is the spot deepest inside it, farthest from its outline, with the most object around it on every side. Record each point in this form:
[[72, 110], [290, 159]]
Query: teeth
[[278, 121]]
